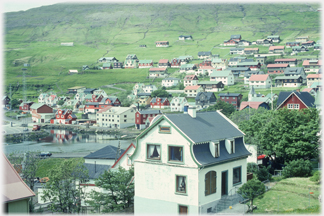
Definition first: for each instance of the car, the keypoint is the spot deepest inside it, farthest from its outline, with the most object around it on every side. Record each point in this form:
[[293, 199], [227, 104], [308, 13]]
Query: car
[[45, 154]]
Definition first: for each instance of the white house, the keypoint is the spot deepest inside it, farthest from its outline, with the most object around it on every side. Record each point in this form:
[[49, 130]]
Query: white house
[[205, 70], [149, 88], [225, 76], [177, 104], [190, 80], [42, 98], [116, 117], [219, 63], [188, 163], [260, 81], [192, 91], [170, 81]]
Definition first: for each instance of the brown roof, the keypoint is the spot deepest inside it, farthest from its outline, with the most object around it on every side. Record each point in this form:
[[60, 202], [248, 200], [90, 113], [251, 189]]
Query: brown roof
[[254, 105], [195, 87], [276, 47], [314, 76], [189, 77], [164, 61], [286, 59], [259, 77], [277, 65], [104, 109], [14, 187], [307, 89], [306, 62]]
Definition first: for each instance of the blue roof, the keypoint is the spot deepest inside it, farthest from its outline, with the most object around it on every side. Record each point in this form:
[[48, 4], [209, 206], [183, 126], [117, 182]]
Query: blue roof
[[96, 170], [203, 155], [108, 152]]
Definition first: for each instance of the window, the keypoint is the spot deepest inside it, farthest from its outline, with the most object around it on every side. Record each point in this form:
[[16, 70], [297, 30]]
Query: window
[[164, 129], [216, 150], [181, 184], [125, 120], [125, 116], [296, 106], [175, 153], [62, 116], [232, 146], [237, 175], [153, 152], [233, 102], [290, 106], [210, 183]]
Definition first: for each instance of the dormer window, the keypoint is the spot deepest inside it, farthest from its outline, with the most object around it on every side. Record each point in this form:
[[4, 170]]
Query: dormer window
[[164, 129], [216, 150], [232, 146]]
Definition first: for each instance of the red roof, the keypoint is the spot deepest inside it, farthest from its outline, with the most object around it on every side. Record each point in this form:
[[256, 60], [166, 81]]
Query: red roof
[[259, 77], [206, 67], [276, 47], [286, 59], [277, 65], [104, 109], [131, 145], [260, 157], [164, 61], [157, 69], [189, 77], [314, 76], [254, 105], [307, 90], [195, 87], [306, 62]]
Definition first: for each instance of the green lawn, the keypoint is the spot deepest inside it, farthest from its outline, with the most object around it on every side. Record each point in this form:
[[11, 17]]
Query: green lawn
[[293, 196], [45, 165]]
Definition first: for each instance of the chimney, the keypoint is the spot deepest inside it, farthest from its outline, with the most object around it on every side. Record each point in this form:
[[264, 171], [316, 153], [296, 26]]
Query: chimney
[[192, 111]]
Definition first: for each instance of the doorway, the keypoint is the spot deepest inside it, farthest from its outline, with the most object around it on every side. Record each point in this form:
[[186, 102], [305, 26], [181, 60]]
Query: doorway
[[224, 183]]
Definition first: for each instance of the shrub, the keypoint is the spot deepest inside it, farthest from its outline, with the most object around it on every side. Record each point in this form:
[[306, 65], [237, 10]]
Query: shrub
[[297, 168], [252, 167], [316, 177], [264, 174]]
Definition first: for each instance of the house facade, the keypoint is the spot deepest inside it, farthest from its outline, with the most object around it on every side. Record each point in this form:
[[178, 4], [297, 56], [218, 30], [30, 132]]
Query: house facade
[[292, 62], [192, 91], [225, 76], [145, 63], [296, 71], [170, 81], [239, 51], [277, 68], [41, 113], [205, 70], [142, 116], [251, 51], [177, 104], [116, 117], [312, 65], [251, 65], [312, 78], [288, 81], [63, 116], [131, 61], [205, 99], [160, 103], [211, 86], [274, 38], [248, 74], [277, 49], [190, 80], [164, 63], [231, 98], [162, 43], [158, 72], [175, 63], [219, 63], [295, 100], [182, 183], [260, 81], [292, 44], [204, 55], [187, 68]]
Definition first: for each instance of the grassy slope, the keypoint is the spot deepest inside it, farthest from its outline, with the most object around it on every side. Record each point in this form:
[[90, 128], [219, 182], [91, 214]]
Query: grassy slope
[[116, 30]]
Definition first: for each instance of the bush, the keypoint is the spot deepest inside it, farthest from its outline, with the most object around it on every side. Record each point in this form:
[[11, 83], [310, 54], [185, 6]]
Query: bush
[[316, 177], [264, 174], [297, 168], [252, 167]]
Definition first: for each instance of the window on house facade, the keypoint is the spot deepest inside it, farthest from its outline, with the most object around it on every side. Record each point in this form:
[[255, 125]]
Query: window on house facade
[[237, 175], [175, 153], [217, 150], [232, 146], [164, 129], [210, 183], [181, 185], [153, 152]]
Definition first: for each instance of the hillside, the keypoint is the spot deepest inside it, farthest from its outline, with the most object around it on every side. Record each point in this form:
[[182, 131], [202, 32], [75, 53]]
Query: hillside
[[98, 30]]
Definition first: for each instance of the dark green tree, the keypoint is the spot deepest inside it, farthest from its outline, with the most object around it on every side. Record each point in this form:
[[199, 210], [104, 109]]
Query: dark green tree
[[60, 102], [120, 191], [15, 104], [63, 188], [252, 167], [263, 173], [226, 108], [160, 93], [297, 168], [250, 190]]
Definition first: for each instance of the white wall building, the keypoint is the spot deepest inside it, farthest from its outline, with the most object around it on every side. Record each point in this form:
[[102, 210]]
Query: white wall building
[[177, 104], [170, 81], [225, 76], [116, 117]]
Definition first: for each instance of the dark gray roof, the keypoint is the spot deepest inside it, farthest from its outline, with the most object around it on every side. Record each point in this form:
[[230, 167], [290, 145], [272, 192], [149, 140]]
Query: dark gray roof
[[143, 94], [95, 170], [247, 74], [150, 112], [204, 156], [204, 53], [239, 68], [305, 97], [108, 152], [235, 36], [207, 126], [229, 94], [89, 90], [294, 70], [162, 100], [247, 60], [232, 49], [208, 95]]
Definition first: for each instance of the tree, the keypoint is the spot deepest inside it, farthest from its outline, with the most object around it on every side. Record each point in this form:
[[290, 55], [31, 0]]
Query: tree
[[263, 173], [160, 93], [245, 114], [297, 168], [226, 108], [120, 192], [250, 190], [63, 188], [29, 165], [252, 167], [181, 86], [15, 104], [60, 102]]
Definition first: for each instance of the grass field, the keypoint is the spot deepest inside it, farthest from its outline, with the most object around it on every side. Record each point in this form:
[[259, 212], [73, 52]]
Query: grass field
[[293, 197]]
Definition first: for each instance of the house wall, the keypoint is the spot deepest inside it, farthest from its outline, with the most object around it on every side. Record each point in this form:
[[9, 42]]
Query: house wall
[[100, 161], [254, 150], [293, 100], [45, 109], [19, 207], [124, 162]]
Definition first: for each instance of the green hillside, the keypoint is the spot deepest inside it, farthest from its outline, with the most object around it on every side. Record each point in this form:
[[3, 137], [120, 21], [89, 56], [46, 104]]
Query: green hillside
[[98, 30]]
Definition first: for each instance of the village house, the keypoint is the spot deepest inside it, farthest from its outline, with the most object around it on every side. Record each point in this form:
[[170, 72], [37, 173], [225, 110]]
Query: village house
[[131, 61], [225, 76], [244, 43], [292, 44], [190, 80], [219, 63], [25, 106], [175, 63], [288, 81], [124, 160], [251, 51], [160, 103], [170, 81], [234, 61], [260, 59], [89, 90], [205, 99], [145, 63], [252, 65], [93, 97], [107, 59], [149, 88], [41, 113], [206, 62], [277, 49], [311, 78], [312, 65], [162, 43], [144, 100], [111, 100], [264, 42], [231, 98], [277, 68], [317, 47], [192, 91], [211, 86], [190, 158], [274, 38], [138, 88], [310, 91], [317, 86], [74, 90], [64, 116], [308, 44], [295, 100], [260, 81], [72, 103], [292, 62], [239, 51], [205, 70], [52, 100], [184, 60], [5, 101], [80, 96], [143, 115], [236, 37], [42, 98], [204, 55], [296, 71], [92, 107], [116, 117], [298, 49], [73, 71], [158, 72], [164, 63], [177, 104], [253, 105], [185, 37], [107, 66], [248, 74], [118, 65], [239, 71], [230, 42], [188, 68], [302, 39]]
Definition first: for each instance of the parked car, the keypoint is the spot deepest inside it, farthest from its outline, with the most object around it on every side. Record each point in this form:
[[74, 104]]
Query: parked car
[[45, 154], [36, 128]]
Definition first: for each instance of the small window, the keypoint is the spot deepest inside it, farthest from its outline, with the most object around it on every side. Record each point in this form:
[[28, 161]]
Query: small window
[[181, 184], [153, 152], [296, 106], [175, 153], [237, 175], [164, 129], [216, 150], [290, 106], [232, 146]]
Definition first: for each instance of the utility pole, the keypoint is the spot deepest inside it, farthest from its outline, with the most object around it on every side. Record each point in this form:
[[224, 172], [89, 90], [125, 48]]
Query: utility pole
[[25, 97], [271, 97], [10, 97]]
